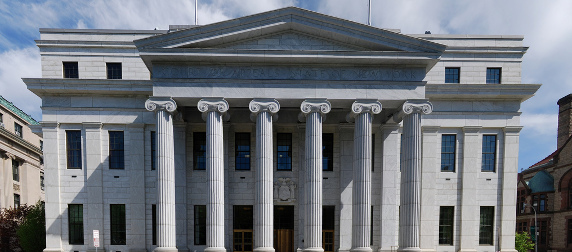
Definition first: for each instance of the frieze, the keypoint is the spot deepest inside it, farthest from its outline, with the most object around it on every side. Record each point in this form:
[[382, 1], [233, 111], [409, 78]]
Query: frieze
[[289, 73]]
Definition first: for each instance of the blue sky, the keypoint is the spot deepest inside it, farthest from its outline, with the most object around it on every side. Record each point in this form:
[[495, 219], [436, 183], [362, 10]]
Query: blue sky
[[546, 25]]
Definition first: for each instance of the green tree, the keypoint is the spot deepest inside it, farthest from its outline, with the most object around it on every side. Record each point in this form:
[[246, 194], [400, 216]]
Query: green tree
[[10, 220], [522, 242], [32, 230]]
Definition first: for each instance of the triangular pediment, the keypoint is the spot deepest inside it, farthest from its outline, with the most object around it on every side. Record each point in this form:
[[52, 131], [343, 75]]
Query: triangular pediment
[[289, 28]]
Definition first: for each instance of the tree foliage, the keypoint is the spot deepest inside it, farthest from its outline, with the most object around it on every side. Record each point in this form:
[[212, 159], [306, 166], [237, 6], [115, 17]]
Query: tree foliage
[[10, 220], [32, 230], [522, 242]]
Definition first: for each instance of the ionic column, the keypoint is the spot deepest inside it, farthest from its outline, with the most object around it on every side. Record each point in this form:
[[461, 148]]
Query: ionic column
[[314, 111], [362, 114], [409, 216], [166, 225], [262, 112], [213, 111]]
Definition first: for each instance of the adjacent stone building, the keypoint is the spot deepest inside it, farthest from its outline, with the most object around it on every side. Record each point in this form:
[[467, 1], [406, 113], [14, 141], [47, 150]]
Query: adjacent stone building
[[547, 186], [21, 160], [281, 131]]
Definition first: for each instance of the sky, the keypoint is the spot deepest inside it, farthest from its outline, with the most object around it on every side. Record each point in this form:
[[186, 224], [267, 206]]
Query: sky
[[546, 26]]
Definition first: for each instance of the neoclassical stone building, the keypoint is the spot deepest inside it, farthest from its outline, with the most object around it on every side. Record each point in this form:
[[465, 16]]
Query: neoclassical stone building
[[281, 131]]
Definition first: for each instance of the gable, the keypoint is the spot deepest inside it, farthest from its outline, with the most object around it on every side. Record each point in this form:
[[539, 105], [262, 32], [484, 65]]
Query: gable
[[291, 40], [339, 34]]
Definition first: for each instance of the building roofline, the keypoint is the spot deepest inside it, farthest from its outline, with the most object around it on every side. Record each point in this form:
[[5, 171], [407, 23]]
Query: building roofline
[[102, 31], [18, 112]]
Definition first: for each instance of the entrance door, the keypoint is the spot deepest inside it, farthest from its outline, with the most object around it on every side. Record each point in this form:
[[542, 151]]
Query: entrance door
[[328, 228], [284, 228], [242, 229]]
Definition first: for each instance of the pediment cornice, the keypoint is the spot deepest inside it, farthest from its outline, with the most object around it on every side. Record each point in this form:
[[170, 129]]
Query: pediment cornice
[[289, 19]]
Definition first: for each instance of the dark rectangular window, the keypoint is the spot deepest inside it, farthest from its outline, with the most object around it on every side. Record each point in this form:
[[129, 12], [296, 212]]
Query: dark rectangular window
[[153, 150], [243, 223], [41, 145], [71, 70], [154, 223], [73, 148], [75, 224], [118, 224], [16, 200], [113, 70], [542, 232], [116, 150], [493, 75], [15, 170], [452, 74], [522, 226], [284, 152], [569, 231], [542, 204], [448, 147], [372, 152], [18, 130], [489, 153], [328, 152], [242, 151], [199, 151], [446, 225], [42, 180], [486, 225], [200, 225]]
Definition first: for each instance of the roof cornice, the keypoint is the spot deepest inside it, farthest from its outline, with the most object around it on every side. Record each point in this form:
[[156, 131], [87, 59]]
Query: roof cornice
[[520, 92], [43, 87]]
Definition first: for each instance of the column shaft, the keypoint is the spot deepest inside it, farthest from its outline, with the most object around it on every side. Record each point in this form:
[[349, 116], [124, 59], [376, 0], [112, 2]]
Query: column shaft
[[166, 181], [215, 182], [313, 214], [264, 209], [361, 207]]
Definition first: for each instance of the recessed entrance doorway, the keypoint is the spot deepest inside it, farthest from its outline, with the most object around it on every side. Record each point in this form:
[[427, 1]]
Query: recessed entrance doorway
[[284, 228]]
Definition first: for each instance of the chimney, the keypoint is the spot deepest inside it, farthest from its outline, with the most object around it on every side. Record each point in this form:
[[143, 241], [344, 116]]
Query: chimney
[[564, 122]]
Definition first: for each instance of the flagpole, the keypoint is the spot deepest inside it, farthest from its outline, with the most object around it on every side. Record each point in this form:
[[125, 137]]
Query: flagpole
[[369, 13], [196, 12]]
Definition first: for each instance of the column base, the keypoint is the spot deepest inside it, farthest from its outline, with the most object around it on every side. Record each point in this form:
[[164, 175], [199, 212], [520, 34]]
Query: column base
[[264, 249], [215, 249], [53, 250], [165, 249], [391, 249], [361, 249], [467, 250], [410, 249], [314, 249]]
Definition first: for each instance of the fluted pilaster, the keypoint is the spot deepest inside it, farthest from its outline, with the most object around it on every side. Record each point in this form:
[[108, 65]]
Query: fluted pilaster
[[213, 111], [262, 112], [166, 225], [409, 216], [362, 113], [314, 111]]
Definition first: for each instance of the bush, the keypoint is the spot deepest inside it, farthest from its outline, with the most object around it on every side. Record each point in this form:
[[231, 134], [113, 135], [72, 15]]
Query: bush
[[32, 230], [10, 220], [522, 242]]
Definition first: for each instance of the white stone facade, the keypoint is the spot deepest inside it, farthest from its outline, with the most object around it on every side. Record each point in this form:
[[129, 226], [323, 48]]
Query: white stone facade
[[313, 68]]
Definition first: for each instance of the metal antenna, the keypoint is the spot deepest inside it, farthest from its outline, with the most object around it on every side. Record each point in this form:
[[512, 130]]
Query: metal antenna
[[196, 12], [369, 14]]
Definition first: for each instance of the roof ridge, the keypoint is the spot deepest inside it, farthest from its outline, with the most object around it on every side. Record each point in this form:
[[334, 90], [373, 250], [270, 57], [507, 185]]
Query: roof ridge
[[9, 105]]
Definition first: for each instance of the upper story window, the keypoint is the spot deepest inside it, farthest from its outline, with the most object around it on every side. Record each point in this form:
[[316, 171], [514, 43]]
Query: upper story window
[[489, 153], [15, 170], [1, 118], [42, 180], [114, 70], [494, 75], [242, 151], [448, 146], [73, 148], [521, 200], [71, 70], [41, 145], [116, 150], [199, 150], [452, 74], [540, 202], [16, 200], [153, 150], [18, 129], [284, 152], [328, 152]]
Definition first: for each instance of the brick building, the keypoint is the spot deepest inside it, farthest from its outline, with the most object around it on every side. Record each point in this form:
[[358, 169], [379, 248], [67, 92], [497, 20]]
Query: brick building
[[547, 185]]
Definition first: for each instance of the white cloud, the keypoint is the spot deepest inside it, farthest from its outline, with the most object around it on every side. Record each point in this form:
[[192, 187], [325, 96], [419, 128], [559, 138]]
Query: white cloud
[[17, 64]]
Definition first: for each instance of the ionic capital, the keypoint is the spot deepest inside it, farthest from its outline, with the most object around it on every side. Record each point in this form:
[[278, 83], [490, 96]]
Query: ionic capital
[[316, 105], [263, 105], [363, 106], [219, 105], [417, 106], [161, 103]]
